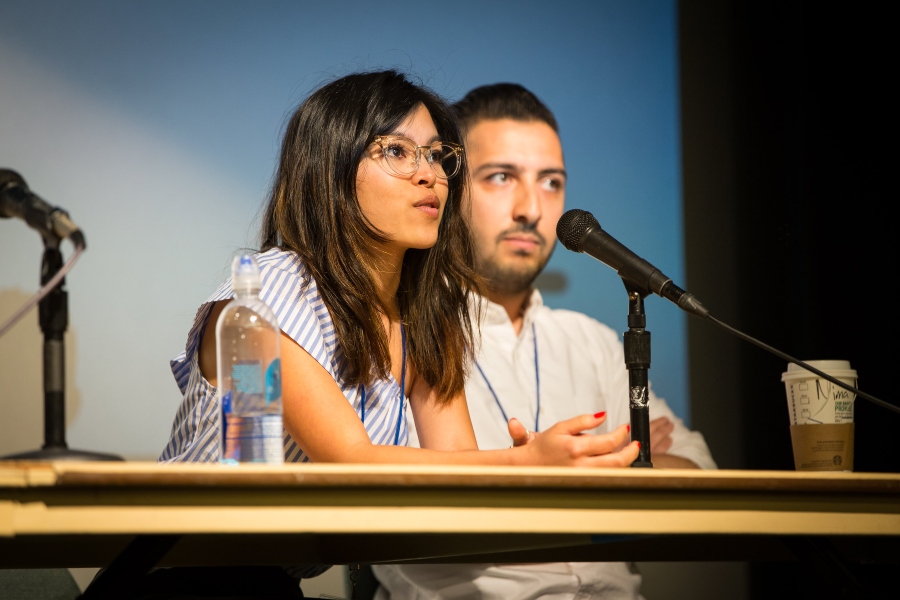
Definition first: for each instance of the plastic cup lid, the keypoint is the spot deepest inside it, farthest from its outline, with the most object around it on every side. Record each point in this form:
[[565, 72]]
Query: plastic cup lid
[[835, 368], [822, 365]]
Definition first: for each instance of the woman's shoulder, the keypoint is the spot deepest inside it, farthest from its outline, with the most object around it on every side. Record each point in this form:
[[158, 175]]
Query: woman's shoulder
[[284, 276], [290, 290], [276, 262]]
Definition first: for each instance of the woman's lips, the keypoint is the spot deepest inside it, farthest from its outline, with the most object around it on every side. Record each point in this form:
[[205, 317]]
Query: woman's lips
[[428, 205]]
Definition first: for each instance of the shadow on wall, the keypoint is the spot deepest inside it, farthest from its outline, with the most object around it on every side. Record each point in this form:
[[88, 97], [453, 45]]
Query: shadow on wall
[[21, 378], [552, 282]]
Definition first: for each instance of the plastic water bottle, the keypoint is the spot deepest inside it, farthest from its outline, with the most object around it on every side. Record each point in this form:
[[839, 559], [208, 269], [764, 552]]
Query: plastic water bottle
[[248, 352]]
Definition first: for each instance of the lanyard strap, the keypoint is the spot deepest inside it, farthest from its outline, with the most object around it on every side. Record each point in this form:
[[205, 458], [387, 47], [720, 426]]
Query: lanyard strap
[[402, 383], [537, 384], [362, 390]]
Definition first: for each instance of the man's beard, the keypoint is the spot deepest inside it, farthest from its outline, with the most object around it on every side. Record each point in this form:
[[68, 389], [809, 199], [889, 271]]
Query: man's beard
[[511, 278]]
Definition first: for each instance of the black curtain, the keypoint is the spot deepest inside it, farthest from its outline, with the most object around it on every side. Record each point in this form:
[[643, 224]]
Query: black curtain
[[788, 142]]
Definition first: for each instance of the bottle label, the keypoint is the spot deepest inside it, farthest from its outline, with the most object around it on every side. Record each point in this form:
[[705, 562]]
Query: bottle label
[[273, 381], [249, 433], [248, 388], [246, 377], [253, 438]]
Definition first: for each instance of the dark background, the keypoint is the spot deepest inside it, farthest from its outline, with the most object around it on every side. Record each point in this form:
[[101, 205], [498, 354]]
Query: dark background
[[789, 201]]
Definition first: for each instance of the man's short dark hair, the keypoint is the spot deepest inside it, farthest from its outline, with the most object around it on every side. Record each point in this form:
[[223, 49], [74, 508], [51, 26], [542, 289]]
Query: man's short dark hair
[[502, 101]]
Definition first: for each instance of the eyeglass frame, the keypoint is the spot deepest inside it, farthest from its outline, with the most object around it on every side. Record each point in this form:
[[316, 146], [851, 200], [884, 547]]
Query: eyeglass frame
[[456, 148]]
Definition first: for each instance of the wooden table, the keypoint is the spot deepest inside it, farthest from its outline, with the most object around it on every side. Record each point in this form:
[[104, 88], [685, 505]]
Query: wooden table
[[71, 514]]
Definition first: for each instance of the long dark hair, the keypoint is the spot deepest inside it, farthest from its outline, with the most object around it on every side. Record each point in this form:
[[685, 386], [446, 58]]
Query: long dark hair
[[313, 210]]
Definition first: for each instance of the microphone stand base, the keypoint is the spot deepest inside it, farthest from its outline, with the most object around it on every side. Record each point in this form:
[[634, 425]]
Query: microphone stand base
[[642, 464], [57, 453]]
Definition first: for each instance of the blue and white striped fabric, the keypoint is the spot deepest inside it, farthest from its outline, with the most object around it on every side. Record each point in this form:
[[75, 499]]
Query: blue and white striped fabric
[[289, 289]]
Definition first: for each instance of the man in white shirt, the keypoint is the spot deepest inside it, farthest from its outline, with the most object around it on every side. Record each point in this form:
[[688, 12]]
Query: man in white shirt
[[535, 366]]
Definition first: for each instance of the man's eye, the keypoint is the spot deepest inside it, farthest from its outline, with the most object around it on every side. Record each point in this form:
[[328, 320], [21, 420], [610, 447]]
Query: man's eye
[[499, 178], [552, 185]]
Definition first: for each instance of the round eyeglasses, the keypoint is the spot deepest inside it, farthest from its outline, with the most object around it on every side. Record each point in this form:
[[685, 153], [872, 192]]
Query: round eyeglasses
[[402, 156]]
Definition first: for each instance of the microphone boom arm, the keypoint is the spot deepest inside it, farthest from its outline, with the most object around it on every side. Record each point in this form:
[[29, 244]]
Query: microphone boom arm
[[579, 231]]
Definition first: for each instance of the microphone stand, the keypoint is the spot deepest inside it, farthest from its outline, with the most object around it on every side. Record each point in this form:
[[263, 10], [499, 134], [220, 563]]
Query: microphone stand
[[54, 319], [637, 361]]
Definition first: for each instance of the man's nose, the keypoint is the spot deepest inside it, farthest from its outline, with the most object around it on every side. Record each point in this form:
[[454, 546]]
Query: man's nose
[[527, 208]]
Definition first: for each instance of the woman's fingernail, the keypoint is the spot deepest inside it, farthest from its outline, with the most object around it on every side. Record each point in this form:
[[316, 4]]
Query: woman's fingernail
[[639, 445], [629, 428], [600, 414]]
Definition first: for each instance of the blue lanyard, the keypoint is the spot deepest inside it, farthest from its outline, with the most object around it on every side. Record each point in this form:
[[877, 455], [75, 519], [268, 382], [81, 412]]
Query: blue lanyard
[[537, 384], [362, 390]]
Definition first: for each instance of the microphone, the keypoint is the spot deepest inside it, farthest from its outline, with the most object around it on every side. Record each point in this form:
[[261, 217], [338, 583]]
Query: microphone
[[16, 200], [579, 231]]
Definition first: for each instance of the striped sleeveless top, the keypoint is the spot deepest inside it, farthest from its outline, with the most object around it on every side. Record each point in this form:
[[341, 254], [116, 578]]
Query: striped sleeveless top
[[289, 289]]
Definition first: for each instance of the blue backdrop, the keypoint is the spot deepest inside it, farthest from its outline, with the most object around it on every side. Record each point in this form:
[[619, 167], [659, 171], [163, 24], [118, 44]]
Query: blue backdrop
[[157, 125]]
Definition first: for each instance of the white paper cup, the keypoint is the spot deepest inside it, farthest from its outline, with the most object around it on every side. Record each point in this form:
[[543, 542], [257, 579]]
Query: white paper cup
[[815, 400], [821, 415]]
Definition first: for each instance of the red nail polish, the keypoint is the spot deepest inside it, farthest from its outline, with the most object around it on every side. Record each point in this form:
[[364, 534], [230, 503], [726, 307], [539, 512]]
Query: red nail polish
[[629, 428], [600, 414], [639, 445]]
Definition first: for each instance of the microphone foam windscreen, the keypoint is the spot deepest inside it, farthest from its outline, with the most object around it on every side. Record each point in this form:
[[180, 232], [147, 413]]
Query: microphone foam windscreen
[[572, 227], [10, 183], [9, 176]]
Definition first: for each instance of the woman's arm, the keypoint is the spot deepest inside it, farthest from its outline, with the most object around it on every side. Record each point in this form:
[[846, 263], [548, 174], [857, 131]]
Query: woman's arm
[[324, 424], [444, 426], [207, 354]]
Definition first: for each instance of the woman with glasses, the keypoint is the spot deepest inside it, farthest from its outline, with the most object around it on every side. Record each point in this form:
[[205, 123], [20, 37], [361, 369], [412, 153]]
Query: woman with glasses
[[366, 261]]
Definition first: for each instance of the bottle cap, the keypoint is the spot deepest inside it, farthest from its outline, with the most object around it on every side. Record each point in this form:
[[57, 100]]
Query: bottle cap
[[245, 274]]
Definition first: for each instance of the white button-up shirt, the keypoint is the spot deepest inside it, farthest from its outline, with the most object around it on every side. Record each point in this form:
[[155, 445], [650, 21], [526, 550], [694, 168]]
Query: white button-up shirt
[[582, 371], [580, 368]]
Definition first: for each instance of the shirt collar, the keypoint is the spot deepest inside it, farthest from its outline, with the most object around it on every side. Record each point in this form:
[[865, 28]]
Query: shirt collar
[[494, 314]]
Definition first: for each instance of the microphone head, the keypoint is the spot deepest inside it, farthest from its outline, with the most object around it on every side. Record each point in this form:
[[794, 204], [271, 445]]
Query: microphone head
[[573, 226], [8, 176], [9, 181]]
